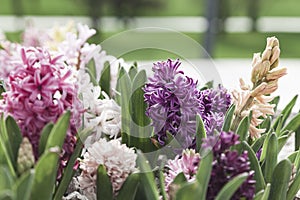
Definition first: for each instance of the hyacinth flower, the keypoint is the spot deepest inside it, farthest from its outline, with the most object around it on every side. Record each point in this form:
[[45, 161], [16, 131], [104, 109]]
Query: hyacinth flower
[[226, 165], [38, 92], [173, 102], [117, 158], [256, 98], [216, 102]]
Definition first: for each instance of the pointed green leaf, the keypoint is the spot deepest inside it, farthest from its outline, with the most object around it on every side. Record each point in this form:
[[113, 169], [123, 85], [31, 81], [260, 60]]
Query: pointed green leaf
[[280, 180], [69, 169], [266, 192], [282, 141], [58, 132], [132, 72], [266, 124], [15, 137], [294, 187], [129, 188], [254, 165], [147, 177], [6, 179], [275, 101], [180, 179], [104, 186], [264, 147], [23, 186], [258, 143], [104, 81], [203, 174], [162, 185], [228, 118], [297, 139], [242, 131], [229, 189], [44, 137], [293, 124], [297, 162], [189, 191], [271, 158], [200, 132], [45, 175], [285, 112], [7, 195], [292, 157], [137, 103]]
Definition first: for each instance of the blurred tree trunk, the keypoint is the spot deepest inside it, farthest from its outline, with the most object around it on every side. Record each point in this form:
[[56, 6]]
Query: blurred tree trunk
[[95, 12], [253, 10], [212, 26], [17, 7]]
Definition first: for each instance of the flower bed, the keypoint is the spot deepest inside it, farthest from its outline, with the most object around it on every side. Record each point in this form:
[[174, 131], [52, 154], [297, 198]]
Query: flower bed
[[80, 124]]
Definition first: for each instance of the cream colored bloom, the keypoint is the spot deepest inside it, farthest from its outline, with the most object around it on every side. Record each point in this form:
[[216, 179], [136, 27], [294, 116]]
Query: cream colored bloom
[[118, 159]]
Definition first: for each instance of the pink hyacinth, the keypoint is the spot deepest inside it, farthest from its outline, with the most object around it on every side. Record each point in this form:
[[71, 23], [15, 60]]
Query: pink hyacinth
[[39, 91]]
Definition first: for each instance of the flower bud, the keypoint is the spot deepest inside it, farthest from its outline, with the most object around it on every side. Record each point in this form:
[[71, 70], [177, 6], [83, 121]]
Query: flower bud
[[259, 90], [276, 74], [25, 158]]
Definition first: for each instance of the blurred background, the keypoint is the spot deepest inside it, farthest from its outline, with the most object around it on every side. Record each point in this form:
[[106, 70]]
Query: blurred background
[[229, 31]]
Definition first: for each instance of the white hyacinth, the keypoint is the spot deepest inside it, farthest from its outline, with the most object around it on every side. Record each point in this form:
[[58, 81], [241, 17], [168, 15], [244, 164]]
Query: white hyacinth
[[104, 115], [118, 159]]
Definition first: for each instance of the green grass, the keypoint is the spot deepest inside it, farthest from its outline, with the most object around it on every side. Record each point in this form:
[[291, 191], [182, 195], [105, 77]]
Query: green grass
[[165, 8]]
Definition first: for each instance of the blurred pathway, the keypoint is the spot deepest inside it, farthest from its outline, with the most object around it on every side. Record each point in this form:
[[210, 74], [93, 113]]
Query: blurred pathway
[[184, 24]]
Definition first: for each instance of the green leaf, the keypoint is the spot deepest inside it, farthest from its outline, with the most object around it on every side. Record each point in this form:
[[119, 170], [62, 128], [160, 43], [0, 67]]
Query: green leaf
[[297, 139], [294, 187], [229, 189], [137, 103], [180, 179], [104, 187], [280, 180], [7, 195], [162, 185], [46, 167], [132, 72], [6, 179], [242, 131], [69, 171], [129, 188], [285, 113], [292, 157], [254, 165], [258, 143], [228, 118], [124, 88], [15, 137], [266, 124], [189, 191], [58, 132], [104, 81], [203, 174], [297, 161], [266, 192], [147, 177], [200, 132], [282, 141], [44, 137], [6, 151], [275, 101], [264, 147], [23, 186], [271, 158], [45, 175], [293, 124]]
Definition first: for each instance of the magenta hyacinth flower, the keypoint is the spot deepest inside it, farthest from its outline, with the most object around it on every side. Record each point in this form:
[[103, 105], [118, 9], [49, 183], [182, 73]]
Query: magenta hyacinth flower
[[173, 102], [39, 91]]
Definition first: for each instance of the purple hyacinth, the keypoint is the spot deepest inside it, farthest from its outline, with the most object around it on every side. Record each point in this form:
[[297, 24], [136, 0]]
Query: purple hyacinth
[[215, 103], [173, 102], [227, 164]]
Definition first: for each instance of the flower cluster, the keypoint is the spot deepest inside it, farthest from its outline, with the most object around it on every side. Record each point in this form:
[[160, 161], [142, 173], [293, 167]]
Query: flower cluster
[[39, 91], [226, 165], [265, 76], [173, 101], [118, 159]]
